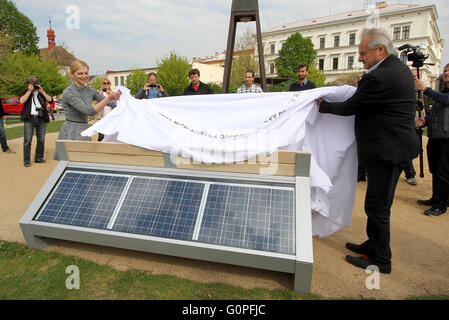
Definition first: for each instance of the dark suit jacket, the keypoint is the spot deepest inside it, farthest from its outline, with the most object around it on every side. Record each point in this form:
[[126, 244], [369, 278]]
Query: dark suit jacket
[[384, 106], [296, 87]]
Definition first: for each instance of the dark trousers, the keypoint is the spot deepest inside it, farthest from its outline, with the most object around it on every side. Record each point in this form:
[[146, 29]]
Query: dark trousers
[[381, 186], [40, 125], [409, 170], [438, 157], [3, 136]]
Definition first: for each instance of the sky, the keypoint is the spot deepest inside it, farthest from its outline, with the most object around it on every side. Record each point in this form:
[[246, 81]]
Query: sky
[[122, 35]]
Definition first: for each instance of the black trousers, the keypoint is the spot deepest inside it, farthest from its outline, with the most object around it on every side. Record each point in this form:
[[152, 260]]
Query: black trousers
[[438, 157], [381, 186]]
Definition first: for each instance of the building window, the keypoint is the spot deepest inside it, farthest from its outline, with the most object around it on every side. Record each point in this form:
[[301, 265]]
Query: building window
[[350, 62], [321, 64], [334, 63], [122, 80], [405, 32], [116, 81], [336, 41], [271, 68], [397, 33], [273, 48], [352, 39], [404, 57], [322, 43]]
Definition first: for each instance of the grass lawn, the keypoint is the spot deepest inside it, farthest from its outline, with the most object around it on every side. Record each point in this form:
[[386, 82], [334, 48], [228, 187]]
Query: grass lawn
[[33, 275], [17, 132]]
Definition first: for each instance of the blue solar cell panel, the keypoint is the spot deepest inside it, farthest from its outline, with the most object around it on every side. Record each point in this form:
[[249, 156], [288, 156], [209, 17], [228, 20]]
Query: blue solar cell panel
[[160, 207], [84, 199], [250, 217]]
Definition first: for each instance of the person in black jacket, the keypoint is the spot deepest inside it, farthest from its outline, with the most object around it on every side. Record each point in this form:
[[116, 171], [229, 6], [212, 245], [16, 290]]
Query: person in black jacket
[[384, 110], [303, 83], [3, 142], [196, 86], [437, 145], [34, 115]]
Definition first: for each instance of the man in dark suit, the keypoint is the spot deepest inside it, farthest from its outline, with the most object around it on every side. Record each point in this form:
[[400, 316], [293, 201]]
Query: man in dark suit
[[384, 109], [303, 83]]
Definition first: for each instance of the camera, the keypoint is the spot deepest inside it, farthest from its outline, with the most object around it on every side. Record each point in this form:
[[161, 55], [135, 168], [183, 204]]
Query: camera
[[36, 87], [153, 85], [415, 55], [104, 89]]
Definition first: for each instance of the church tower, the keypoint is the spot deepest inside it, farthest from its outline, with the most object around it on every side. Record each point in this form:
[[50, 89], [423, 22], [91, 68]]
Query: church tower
[[51, 38]]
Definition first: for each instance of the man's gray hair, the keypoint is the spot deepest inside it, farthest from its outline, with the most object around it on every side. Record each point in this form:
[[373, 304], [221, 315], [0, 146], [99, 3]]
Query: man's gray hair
[[378, 38]]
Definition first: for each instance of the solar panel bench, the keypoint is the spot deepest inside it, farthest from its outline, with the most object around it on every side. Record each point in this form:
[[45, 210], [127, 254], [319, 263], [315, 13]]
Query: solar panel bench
[[254, 213]]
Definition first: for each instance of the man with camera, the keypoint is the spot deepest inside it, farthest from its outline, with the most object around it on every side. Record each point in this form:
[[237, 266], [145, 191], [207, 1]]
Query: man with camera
[[34, 115], [152, 89], [437, 122]]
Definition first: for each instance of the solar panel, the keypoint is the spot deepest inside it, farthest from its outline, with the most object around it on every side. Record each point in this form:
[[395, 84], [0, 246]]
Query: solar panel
[[84, 199], [252, 217], [236, 215], [161, 207]]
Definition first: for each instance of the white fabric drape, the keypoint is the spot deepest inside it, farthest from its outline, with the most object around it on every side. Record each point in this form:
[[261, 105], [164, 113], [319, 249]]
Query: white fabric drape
[[225, 128]]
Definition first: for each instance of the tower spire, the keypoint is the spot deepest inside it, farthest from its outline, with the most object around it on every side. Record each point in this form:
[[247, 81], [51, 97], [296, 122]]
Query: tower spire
[[51, 37]]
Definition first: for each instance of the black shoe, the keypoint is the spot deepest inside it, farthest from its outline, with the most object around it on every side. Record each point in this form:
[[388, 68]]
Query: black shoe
[[357, 248], [427, 202], [40, 161], [434, 211], [27, 164], [364, 262]]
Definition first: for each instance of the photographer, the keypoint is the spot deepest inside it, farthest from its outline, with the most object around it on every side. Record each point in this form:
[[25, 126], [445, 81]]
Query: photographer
[[437, 122], [34, 115], [152, 89]]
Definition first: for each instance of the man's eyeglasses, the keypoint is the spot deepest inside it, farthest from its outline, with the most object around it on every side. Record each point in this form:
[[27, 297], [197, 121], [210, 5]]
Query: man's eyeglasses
[[106, 83]]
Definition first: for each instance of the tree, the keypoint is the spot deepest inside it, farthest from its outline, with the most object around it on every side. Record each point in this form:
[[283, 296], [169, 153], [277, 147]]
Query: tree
[[136, 80], [173, 74], [295, 51], [245, 61], [19, 27], [98, 82], [20, 66]]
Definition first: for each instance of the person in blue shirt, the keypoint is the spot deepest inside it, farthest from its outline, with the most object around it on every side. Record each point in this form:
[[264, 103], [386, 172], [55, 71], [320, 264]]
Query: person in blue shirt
[[303, 83], [152, 89]]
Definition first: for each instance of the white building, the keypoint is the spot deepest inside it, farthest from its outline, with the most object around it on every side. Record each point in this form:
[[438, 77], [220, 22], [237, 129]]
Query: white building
[[336, 37]]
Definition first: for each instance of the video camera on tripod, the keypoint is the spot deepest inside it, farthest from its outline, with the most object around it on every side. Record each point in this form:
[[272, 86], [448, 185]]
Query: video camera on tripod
[[415, 55]]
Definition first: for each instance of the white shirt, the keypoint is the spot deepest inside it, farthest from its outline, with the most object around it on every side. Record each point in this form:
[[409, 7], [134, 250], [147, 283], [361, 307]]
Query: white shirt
[[35, 104]]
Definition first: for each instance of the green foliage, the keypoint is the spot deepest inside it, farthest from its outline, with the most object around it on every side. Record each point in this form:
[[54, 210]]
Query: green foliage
[[97, 84], [20, 66], [215, 87], [173, 71], [295, 51], [136, 81], [240, 65], [317, 76], [19, 27]]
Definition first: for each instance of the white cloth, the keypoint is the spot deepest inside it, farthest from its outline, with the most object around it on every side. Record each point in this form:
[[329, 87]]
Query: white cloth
[[225, 128]]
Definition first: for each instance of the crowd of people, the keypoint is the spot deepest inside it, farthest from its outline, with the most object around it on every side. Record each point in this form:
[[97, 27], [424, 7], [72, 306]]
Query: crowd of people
[[384, 107]]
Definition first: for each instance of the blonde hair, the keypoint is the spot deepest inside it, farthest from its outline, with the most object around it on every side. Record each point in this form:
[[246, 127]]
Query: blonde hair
[[75, 65]]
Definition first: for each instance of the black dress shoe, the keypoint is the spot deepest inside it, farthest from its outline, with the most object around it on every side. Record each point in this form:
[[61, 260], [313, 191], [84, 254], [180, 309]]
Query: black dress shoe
[[357, 248], [427, 202], [40, 161], [434, 211], [364, 262]]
